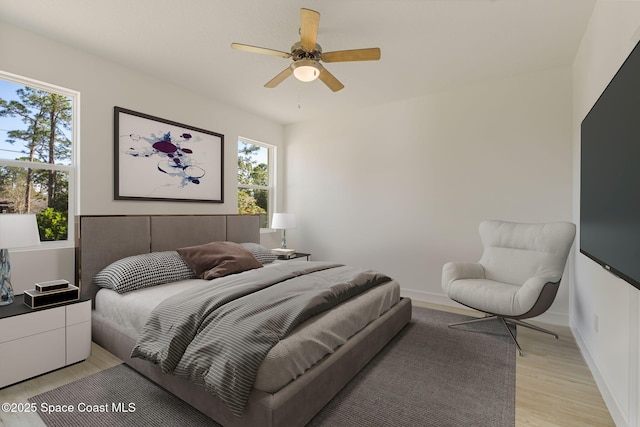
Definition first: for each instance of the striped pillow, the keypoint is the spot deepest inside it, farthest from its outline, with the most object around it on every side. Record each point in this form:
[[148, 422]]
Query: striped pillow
[[142, 271], [262, 254]]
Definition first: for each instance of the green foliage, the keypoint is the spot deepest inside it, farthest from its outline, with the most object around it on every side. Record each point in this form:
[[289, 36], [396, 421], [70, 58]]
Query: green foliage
[[43, 139], [46, 116], [247, 204], [52, 225], [250, 172]]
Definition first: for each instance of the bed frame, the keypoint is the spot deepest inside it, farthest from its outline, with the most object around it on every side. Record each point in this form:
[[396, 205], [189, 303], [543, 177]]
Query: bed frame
[[100, 240]]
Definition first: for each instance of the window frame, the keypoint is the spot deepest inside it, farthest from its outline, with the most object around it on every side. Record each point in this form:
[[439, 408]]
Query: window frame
[[271, 188], [73, 170]]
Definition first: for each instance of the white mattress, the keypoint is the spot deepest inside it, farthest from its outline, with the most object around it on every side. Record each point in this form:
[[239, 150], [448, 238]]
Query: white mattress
[[292, 356]]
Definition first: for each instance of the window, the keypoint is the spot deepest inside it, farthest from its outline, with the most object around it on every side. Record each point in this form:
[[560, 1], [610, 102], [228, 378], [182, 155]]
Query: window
[[38, 129], [256, 177]]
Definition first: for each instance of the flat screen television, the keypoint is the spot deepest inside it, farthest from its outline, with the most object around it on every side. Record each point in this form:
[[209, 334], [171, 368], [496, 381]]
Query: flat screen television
[[610, 175]]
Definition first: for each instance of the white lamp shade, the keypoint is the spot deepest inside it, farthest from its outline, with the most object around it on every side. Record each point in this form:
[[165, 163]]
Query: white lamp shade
[[17, 231], [306, 73], [306, 70], [283, 221]]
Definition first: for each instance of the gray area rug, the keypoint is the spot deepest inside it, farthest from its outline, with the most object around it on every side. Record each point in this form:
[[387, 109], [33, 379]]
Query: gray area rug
[[429, 375]]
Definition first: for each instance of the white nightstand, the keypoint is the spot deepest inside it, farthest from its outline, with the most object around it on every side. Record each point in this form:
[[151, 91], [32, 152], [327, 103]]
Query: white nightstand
[[33, 342]]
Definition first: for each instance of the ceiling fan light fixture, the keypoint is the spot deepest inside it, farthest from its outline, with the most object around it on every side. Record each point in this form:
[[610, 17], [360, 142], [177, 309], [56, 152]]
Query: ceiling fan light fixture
[[306, 70]]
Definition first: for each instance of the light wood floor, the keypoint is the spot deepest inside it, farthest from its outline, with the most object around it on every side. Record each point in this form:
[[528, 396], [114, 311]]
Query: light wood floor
[[554, 387]]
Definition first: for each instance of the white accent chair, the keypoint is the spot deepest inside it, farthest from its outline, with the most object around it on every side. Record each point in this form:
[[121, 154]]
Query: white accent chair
[[518, 274]]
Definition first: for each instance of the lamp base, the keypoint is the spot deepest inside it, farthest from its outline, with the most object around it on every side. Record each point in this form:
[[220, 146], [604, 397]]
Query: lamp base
[[6, 290]]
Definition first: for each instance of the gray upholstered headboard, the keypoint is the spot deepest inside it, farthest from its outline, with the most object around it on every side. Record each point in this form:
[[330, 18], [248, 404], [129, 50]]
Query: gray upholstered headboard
[[103, 239]]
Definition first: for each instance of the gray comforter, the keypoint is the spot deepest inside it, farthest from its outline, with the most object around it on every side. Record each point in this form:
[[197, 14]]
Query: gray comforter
[[218, 334]]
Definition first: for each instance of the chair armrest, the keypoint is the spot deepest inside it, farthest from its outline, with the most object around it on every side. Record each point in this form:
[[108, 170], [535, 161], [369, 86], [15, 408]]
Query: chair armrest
[[530, 291], [536, 283], [460, 270]]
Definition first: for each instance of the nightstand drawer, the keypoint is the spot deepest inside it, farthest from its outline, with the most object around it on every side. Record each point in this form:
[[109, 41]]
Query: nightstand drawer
[[16, 327], [31, 356], [78, 342], [78, 313]]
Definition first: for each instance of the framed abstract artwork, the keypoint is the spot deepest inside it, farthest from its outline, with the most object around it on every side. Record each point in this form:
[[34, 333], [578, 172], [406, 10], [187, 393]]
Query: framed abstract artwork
[[158, 159]]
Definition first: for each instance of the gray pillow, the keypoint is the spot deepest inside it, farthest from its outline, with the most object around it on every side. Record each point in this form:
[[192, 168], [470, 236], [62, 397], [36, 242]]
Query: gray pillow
[[143, 271], [259, 252]]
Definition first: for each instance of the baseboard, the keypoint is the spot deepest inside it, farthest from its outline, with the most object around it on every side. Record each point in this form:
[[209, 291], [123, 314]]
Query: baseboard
[[616, 412], [551, 318]]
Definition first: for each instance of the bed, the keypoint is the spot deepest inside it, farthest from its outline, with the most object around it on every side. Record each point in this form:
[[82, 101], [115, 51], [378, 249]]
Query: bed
[[288, 396]]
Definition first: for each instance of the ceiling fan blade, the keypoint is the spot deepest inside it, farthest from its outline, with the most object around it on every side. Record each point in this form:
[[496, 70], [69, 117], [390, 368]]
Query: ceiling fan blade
[[329, 79], [279, 78], [309, 21], [260, 50], [370, 54]]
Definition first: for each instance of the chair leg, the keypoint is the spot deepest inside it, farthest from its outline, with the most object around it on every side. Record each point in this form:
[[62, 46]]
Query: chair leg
[[504, 322], [529, 325], [491, 317], [480, 319]]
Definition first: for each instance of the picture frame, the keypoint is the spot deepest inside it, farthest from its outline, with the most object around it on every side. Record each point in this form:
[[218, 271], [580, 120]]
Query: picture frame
[[159, 159]]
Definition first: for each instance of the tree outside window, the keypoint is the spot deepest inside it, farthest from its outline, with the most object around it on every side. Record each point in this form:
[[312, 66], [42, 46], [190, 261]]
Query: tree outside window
[[36, 155], [255, 180]]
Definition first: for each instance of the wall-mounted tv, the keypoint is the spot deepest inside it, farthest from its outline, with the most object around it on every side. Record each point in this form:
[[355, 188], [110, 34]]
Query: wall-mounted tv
[[610, 175]]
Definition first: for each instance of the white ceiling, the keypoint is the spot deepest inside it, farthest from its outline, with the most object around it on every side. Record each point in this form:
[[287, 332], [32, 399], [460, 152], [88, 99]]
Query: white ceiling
[[427, 45]]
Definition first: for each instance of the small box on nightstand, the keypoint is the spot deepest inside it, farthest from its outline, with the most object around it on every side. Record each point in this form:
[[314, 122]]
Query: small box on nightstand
[[37, 299], [52, 285]]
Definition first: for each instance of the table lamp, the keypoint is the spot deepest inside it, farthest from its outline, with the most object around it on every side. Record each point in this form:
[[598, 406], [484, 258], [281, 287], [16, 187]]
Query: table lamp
[[282, 221], [16, 231]]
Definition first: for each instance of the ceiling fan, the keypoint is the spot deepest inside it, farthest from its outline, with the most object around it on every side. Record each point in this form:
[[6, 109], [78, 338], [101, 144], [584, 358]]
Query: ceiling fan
[[307, 54]]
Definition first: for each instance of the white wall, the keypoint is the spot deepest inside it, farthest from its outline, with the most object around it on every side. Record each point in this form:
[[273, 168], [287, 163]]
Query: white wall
[[613, 350], [103, 85], [402, 187]]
